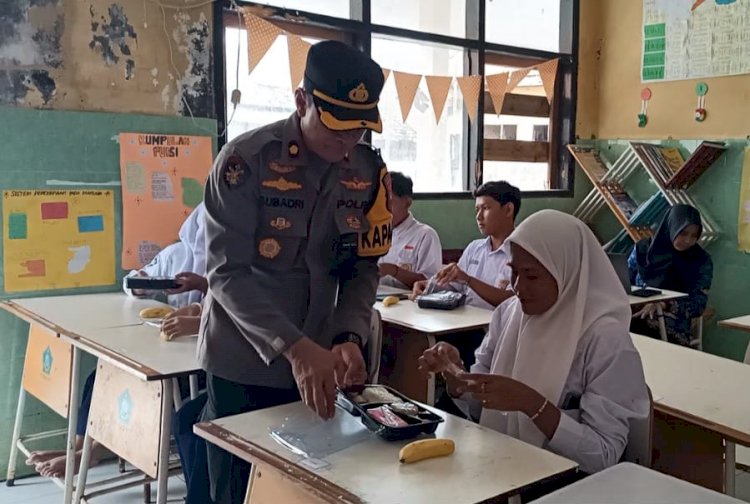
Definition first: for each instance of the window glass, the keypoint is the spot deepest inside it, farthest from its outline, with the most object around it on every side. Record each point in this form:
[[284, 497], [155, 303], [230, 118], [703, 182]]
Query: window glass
[[532, 24]]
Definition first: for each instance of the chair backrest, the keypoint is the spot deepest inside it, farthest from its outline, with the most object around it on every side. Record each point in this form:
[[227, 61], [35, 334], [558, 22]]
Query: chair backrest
[[374, 347], [639, 448], [747, 354]]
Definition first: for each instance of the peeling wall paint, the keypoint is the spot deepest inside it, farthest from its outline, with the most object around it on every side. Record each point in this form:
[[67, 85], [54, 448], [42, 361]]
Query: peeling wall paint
[[108, 55], [30, 49]]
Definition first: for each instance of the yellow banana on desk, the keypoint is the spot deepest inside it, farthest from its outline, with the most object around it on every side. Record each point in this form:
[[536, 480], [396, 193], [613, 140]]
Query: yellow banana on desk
[[155, 312], [390, 300], [426, 449]]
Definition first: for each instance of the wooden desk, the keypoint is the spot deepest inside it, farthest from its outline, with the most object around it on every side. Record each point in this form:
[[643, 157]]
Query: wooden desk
[[411, 330], [739, 323], [666, 295], [628, 483], [485, 465], [132, 359], [702, 389]]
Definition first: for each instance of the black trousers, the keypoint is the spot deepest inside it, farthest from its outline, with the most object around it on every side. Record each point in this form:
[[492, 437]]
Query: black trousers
[[192, 450], [228, 475]]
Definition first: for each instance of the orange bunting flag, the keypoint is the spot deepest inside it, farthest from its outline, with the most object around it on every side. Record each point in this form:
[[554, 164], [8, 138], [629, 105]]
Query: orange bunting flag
[[386, 73], [496, 86], [548, 74], [260, 37], [470, 85], [406, 88], [516, 78], [298, 49], [438, 87]]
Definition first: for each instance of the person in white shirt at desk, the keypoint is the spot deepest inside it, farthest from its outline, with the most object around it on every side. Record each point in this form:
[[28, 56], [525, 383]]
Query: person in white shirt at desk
[[185, 260], [415, 252], [557, 368], [482, 272]]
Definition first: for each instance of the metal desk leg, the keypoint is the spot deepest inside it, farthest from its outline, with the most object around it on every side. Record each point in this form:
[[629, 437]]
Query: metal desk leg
[[83, 471], [729, 467], [166, 432], [11, 474], [431, 378], [72, 423], [662, 325], [193, 386]]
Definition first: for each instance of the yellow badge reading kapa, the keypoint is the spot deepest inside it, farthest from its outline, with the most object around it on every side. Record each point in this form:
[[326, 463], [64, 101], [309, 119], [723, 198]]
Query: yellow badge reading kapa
[[269, 248], [282, 184]]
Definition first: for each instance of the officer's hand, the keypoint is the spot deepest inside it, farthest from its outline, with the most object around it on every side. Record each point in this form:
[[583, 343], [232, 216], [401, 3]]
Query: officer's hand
[[356, 371], [451, 273], [315, 370], [188, 282], [418, 289]]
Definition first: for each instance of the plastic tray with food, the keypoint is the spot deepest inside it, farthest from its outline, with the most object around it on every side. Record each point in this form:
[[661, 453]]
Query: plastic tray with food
[[388, 413]]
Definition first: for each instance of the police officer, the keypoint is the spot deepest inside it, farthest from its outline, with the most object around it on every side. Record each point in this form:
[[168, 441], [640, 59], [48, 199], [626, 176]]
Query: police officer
[[297, 214]]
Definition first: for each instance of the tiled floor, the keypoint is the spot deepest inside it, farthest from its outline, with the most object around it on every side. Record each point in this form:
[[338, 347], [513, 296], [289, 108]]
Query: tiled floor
[[41, 491]]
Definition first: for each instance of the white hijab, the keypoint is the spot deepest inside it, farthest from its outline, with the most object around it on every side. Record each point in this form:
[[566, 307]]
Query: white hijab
[[193, 237], [538, 350]]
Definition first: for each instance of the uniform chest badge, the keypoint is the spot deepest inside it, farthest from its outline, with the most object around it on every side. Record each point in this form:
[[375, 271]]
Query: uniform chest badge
[[282, 184], [354, 222], [280, 168], [280, 223], [269, 248], [355, 184]]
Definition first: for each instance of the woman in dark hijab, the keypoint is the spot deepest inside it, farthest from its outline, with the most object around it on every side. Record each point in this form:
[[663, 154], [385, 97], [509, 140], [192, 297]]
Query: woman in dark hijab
[[673, 260]]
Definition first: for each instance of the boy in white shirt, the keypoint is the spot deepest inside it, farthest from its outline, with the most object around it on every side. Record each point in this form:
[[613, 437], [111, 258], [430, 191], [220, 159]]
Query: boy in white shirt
[[482, 272], [415, 252]]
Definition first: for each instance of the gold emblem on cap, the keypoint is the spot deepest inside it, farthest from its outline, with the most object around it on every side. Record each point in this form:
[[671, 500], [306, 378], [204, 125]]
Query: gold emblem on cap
[[281, 184], [359, 94], [269, 248], [281, 223]]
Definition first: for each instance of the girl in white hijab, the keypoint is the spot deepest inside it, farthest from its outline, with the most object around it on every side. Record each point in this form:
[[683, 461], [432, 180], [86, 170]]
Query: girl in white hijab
[[557, 368], [185, 260]]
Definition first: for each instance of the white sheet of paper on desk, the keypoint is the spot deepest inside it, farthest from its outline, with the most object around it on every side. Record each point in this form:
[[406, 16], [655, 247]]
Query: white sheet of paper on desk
[[308, 435]]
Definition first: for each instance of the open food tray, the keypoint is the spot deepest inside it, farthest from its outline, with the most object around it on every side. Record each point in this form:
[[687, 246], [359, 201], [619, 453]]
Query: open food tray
[[422, 421]]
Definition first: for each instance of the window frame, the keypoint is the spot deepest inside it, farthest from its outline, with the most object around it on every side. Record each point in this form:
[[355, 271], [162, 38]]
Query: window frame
[[358, 31]]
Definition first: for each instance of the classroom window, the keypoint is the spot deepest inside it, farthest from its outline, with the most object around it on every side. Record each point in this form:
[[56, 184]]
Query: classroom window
[[524, 143]]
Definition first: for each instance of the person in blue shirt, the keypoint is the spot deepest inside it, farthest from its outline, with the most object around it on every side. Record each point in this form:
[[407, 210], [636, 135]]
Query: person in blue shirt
[[673, 260]]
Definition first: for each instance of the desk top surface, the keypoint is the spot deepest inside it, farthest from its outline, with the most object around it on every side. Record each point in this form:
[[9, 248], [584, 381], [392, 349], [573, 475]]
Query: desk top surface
[[108, 326], [633, 484], [666, 295], [409, 315], [698, 386], [486, 464], [741, 323]]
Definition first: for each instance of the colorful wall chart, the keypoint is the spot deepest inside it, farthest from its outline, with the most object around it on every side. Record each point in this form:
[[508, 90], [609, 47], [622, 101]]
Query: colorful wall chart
[[58, 239], [162, 181], [687, 39]]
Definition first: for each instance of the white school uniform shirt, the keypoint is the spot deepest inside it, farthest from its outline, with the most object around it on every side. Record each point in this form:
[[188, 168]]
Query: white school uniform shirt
[[484, 264], [416, 248]]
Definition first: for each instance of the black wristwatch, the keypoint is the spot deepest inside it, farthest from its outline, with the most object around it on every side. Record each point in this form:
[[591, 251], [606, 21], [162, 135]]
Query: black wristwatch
[[348, 337]]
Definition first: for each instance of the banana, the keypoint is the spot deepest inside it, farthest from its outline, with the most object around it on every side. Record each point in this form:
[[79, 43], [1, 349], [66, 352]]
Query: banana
[[425, 449], [156, 312], [390, 300]]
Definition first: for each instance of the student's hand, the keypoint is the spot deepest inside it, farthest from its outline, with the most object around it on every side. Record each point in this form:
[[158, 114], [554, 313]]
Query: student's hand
[[180, 325], [418, 289], [451, 273], [503, 284], [649, 311], [189, 282], [387, 269], [500, 392], [139, 292], [441, 358], [356, 370], [315, 370]]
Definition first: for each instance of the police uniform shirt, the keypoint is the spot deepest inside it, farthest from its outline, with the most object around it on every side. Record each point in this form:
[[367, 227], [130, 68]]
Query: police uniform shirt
[[292, 249], [483, 263], [416, 248]]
